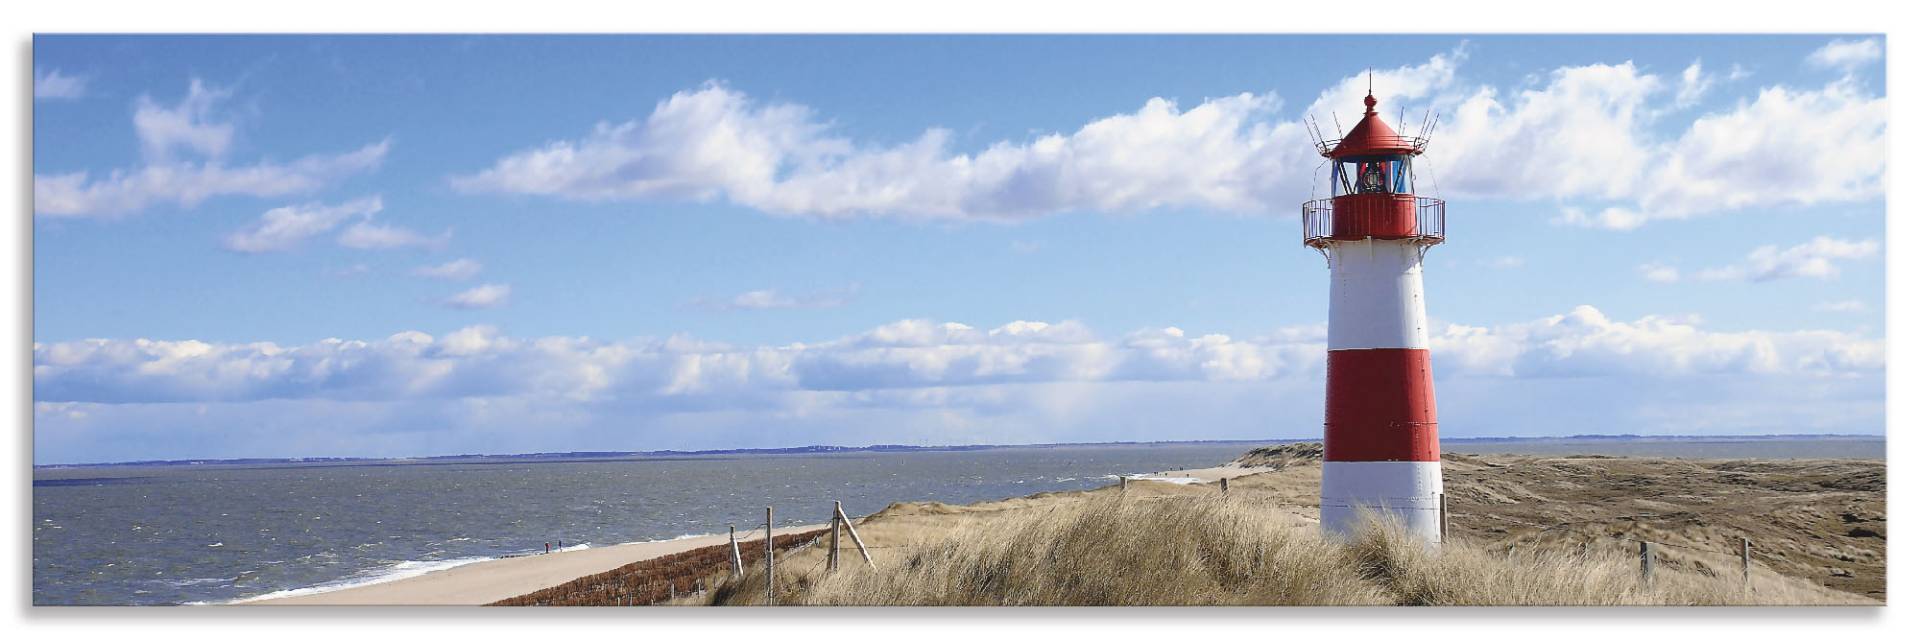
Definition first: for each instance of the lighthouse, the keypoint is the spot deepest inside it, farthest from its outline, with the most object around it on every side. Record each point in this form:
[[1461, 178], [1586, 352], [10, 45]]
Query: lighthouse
[[1382, 436]]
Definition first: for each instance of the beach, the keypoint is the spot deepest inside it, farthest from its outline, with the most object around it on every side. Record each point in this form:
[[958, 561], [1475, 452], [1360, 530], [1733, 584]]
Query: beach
[[486, 582]]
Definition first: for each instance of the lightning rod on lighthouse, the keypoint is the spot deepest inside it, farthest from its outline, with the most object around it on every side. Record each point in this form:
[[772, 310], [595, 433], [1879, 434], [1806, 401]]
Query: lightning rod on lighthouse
[[1382, 436]]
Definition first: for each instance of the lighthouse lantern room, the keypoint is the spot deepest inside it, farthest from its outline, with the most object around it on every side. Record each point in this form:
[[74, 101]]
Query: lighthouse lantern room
[[1382, 436]]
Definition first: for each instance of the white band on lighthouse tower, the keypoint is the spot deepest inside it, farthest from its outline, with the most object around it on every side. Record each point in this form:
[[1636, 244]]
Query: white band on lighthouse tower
[[1406, 491], [1377, 300]]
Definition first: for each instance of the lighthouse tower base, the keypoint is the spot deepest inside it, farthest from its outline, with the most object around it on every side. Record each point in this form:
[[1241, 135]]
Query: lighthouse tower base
[[1406, 492]]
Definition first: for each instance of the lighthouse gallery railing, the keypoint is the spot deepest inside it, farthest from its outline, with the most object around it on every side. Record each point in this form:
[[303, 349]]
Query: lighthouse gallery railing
[[1429, 223]]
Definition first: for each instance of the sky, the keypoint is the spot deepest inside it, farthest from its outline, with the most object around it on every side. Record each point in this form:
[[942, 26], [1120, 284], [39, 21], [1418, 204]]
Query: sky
[[420, 245]]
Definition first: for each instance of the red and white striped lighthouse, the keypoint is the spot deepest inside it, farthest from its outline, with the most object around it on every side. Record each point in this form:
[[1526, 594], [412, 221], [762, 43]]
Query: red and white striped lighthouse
[[1382, 437]]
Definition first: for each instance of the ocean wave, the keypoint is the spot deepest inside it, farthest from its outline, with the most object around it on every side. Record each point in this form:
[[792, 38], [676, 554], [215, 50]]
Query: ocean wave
[[675, 538], [1147, 477], [396, 572]]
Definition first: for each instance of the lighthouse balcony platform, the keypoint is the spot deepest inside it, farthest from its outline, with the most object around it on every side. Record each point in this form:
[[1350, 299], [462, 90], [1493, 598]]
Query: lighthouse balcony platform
[[1379, 216]]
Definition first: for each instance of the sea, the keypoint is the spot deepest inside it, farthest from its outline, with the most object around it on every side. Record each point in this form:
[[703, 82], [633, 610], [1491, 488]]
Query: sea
[[172, 534]]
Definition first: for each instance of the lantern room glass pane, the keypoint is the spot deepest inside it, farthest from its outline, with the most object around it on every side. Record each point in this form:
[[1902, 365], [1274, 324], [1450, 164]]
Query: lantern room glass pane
[[1379, 174]]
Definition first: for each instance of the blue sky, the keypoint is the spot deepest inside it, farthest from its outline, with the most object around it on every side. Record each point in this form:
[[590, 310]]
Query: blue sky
[[426, 245]]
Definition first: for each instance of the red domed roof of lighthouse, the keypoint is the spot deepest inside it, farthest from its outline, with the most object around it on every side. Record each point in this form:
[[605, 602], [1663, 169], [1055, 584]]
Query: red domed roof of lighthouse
[[1372, 136]]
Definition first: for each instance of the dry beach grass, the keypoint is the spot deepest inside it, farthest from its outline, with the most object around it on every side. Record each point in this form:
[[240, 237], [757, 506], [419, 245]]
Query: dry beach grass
[[1139, 550]]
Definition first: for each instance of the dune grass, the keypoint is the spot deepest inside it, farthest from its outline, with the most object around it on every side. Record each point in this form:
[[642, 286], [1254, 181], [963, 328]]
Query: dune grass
[[1113, 550]]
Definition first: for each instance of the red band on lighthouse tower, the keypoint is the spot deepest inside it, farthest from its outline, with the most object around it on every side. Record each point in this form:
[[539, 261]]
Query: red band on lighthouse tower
[[1380, 406]]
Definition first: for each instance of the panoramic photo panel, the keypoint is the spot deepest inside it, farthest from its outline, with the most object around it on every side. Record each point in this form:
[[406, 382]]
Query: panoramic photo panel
[[959, 320]]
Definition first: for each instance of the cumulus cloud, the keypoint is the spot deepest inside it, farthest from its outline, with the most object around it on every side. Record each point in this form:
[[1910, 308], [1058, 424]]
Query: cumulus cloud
[[54, 85], [1815, 258], [1784, 146], [1578, 135], [916, 381], [459, 269], [1585, 342], [1583, 135], [284, 228], [716, 142], [1236, 153], [909, 354], [184, 148], [483, 296], [1846, 54], [771, 299], [368, 235]]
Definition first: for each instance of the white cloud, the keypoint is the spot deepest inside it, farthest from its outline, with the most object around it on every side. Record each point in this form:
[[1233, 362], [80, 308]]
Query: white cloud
[[483, 296], [1784, 146], [184, 148], [1846, 54], [286, 227], [186, 184], [1841, 306], [1581, 135], [917, 381], [1694, 83], [367, 235], [1584, 342], [1660, 273], [54, 85], [715, 142], [910, 354], [1403, 85], [1504, 262], [770, 299], [460, 269], [187, 125], [1813, 259]]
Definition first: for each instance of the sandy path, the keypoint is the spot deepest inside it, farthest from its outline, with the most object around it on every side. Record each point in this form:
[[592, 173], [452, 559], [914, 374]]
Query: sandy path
[[489, 581], [1213, 474]]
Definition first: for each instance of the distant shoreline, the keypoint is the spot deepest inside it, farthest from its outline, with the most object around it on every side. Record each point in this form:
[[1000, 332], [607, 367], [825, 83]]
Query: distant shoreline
[[592, 456]]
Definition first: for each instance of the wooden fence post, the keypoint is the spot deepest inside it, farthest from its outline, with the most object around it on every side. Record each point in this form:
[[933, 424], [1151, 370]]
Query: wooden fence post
[[1646, 562], [833, 545], [733, 543], [1223, 488], [769, 555], [1123, 484], [853, 534], [1746, 561], [1443, 518]]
